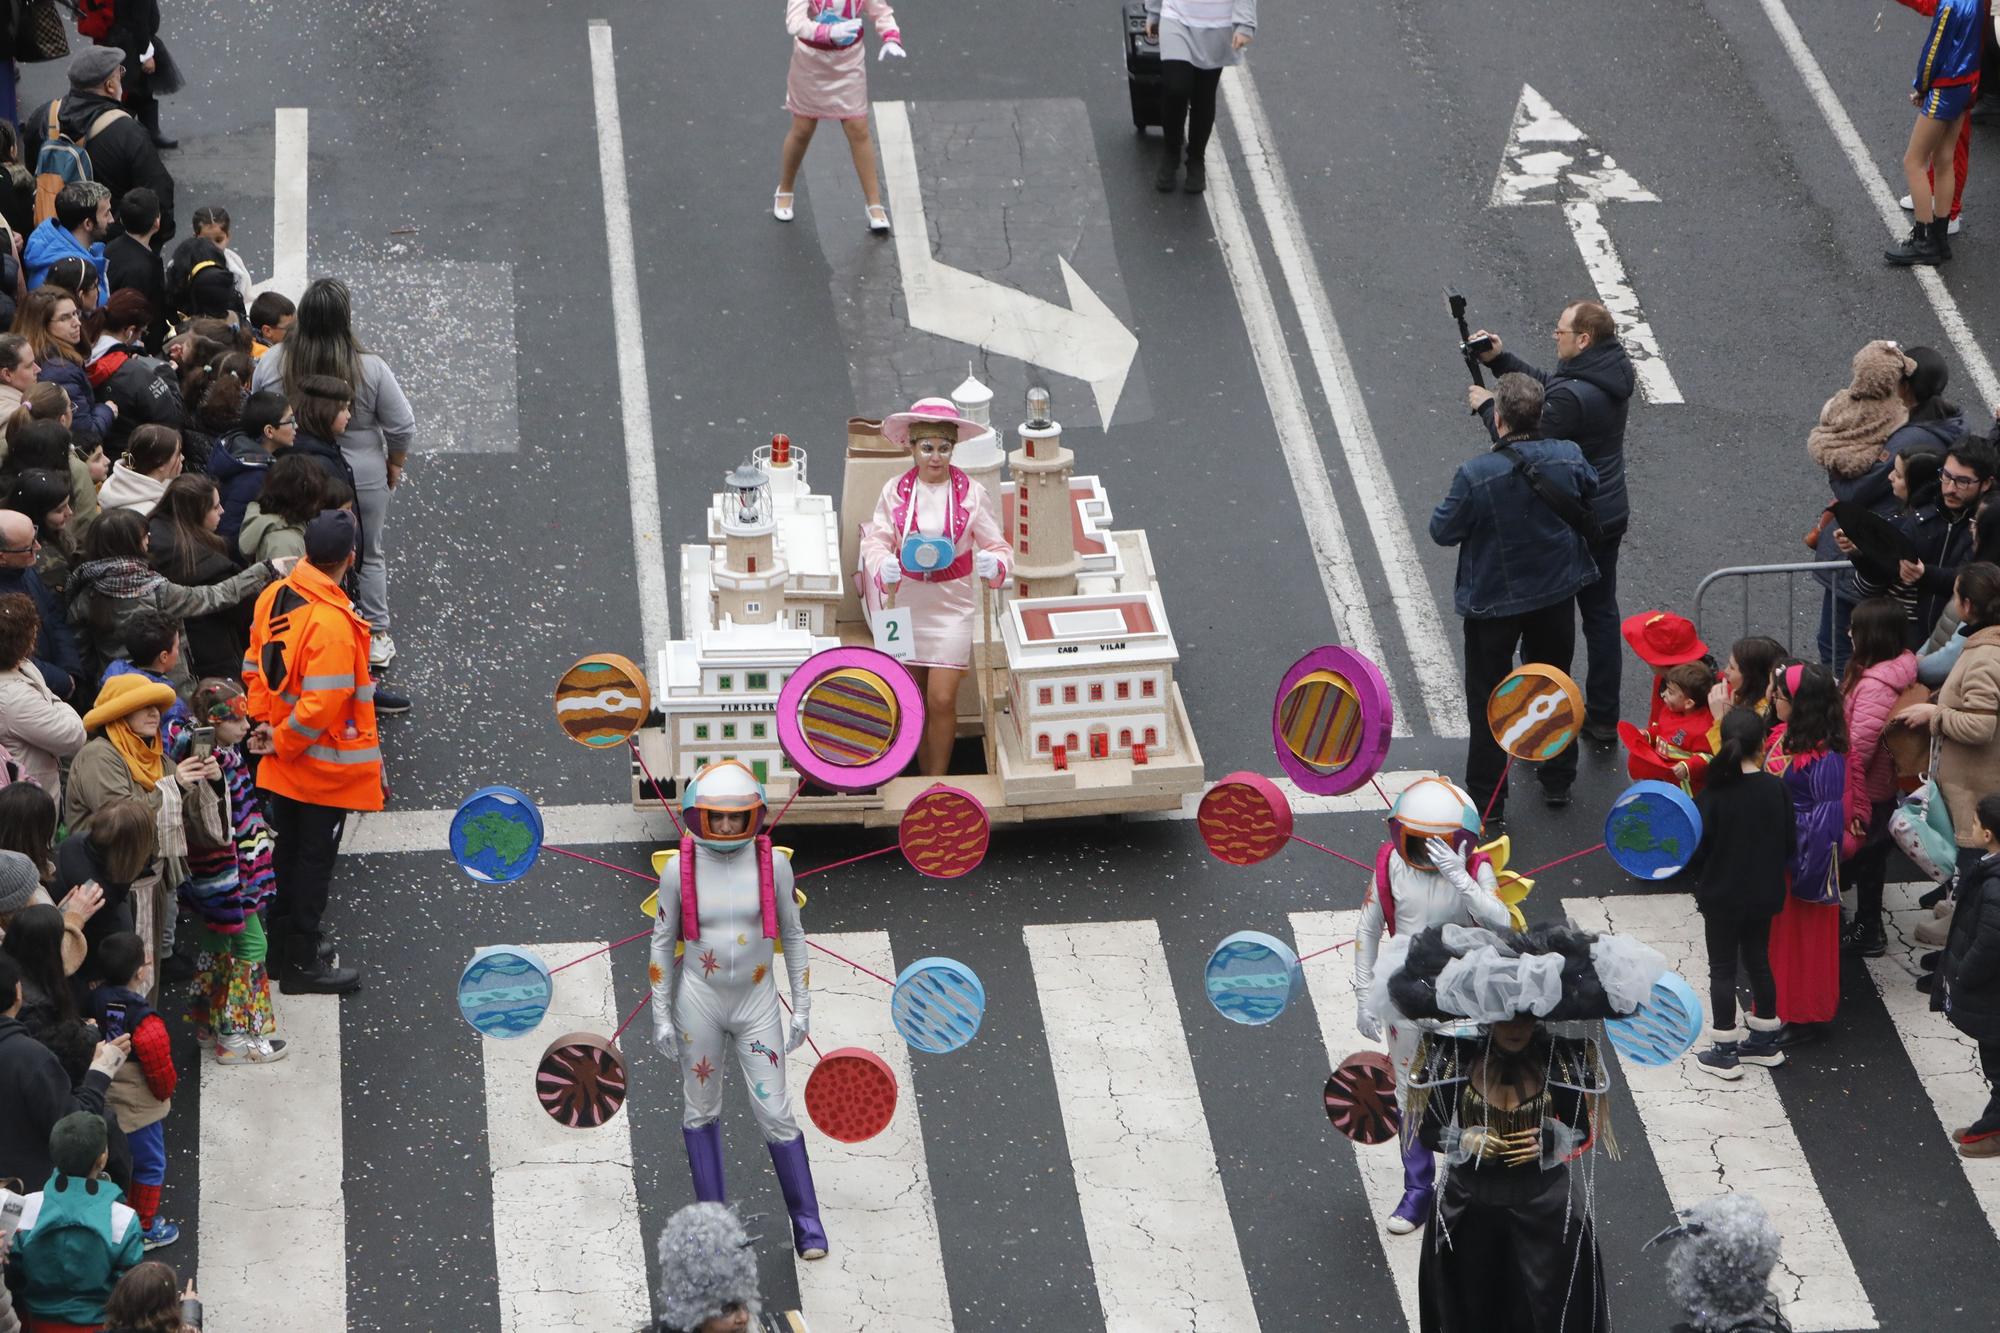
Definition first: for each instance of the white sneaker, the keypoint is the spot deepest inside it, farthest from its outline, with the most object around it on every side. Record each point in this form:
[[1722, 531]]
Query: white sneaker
[[241, 1050], [1398, 1225], [381, 649], [1909, 206]]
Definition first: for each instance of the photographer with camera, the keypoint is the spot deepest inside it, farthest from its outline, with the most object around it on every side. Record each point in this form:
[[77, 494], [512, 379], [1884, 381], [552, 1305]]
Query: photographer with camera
[[1584, 400], [1520, 515]]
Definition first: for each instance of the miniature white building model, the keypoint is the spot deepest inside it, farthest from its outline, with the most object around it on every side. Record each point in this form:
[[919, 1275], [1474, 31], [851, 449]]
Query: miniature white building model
[[1091, 674]]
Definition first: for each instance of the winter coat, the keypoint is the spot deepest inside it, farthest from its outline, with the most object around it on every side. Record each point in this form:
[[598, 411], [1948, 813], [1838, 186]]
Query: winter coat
[[57, 654], [145, 389], [382, 420], [1943, 541], [1935, 427], [79, 862], [307, 675], [1748, 838], [1856, 423], [34, 1094], [237, 465], [90, 420], [105, 594], [122, 155], [324, 452], [1586, 401], [1515, 554], [76, 1239], [134, 264], [1967, 725], [39, 729], [1871, 769], [215, 641], [98, 776], [129, 488], [52, 242], [1970, 969], [269, 536]]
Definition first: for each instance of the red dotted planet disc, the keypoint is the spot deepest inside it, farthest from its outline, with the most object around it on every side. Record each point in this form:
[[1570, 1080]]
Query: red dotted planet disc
[[1244, 819], [945, 832], [851, 1094], [580, 1081], [1361, 1098]]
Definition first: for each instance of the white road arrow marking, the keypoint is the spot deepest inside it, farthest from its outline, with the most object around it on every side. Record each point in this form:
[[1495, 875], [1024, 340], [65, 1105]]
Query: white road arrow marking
[[1548, 160], [1085, 341], [288, 207]]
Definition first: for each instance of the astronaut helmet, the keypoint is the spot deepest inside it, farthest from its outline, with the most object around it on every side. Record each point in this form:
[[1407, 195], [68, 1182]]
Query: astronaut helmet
[[727, 787], [1431, 808]]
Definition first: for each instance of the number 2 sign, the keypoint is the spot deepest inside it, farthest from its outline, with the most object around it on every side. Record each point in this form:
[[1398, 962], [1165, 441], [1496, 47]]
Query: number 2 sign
[[895, 632]]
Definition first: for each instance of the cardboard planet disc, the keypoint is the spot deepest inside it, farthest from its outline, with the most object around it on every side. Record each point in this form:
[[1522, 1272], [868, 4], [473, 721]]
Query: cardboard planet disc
[[1244, 818], [602, 700], [496, 834], [851, 1094], [850, 718], [1250, 977], [1361, 1098], [937, 1005], [580, 1081], [1536, 712], [945, 832], [1661, 1030], [1331, 721], [1652, 830], [504, 992]]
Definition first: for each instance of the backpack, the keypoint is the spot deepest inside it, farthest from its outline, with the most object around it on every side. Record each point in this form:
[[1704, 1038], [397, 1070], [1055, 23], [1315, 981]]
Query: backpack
[[94, 18], [62, 160]]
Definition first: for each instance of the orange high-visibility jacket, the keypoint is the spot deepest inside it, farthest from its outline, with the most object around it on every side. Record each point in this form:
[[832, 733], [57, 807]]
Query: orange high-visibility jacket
[[306, 674]]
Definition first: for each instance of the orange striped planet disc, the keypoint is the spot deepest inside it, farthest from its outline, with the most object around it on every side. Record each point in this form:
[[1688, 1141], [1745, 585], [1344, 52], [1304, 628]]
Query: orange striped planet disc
[[849, 718], [1320, 721], [944, 833], [602, 700]]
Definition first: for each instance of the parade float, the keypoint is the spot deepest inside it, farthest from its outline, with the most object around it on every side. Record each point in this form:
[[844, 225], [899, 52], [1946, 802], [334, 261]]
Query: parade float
[[1071, 689]]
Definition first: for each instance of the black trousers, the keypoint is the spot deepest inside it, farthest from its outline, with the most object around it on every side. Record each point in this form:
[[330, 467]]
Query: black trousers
[[1546, 635], [1187, 107], [307, 840], [1866, 870], [1734, 938], [1989, 1065], [1597, 604]]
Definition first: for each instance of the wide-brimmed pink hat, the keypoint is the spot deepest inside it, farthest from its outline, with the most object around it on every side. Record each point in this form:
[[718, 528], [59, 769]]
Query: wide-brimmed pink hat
[[929, 411]]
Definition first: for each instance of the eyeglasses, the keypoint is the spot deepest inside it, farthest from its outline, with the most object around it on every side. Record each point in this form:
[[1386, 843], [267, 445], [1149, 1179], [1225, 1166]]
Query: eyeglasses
[[34, 543], [288, 421], [935, 447], [1951, 478]]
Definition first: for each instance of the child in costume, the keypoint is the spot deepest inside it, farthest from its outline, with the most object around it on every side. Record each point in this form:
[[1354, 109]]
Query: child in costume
[[227, 888], [1681, 728], [726, 905], [708, 1276], [1942, 91], [142, 1091], [1663, 641], [936, 500], [1808, 749], [1428, 873], [828, 80], [1719, 1270]]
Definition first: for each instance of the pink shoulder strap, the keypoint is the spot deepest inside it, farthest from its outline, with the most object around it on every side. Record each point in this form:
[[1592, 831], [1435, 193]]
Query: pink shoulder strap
[[767, 887], [690, 910], [1383, 895]]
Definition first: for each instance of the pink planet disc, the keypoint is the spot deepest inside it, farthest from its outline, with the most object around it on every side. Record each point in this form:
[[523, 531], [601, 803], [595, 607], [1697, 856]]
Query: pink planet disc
[[851, 1094], [1244, 818], [1331, 720], [945, 832], [580, 1081]]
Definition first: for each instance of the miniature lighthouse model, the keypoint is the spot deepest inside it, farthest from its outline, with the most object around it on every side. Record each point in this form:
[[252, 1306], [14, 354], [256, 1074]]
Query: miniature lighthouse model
[[1042, 534], [979, 457], [750, 581]]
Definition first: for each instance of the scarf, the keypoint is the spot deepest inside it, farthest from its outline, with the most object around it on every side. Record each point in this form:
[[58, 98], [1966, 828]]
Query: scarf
[[118, 576], [142, 757]]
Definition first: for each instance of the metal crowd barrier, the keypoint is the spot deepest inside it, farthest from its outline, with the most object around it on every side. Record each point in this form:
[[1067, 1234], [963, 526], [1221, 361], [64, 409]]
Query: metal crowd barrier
[[1790, 574]]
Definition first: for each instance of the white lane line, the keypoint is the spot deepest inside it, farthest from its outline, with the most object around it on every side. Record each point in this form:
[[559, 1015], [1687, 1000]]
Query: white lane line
[[1607, 271], [566, 1236], [1708, 1135], [264, 1212], [1431, 657], [1330, 980], [289, 272], [649, 550], [885, 1265], [1333, 557], [1162, 1245], [1946, 1060], [1881, 195]]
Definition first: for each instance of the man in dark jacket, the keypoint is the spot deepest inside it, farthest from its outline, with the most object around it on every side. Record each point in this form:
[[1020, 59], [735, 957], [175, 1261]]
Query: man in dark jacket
[[1520, 564], [1970, 971], [133, 263], [34, 1090], [1585, 401], [122, 155], [1942, 532], [56, 654], [243, 456]]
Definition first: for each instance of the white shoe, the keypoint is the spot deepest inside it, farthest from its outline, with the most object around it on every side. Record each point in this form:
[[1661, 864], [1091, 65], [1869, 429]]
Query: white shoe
[[781, 205], [381, 649], [1909, 206], [237, 1050], [1400, 1226], [878, 219]]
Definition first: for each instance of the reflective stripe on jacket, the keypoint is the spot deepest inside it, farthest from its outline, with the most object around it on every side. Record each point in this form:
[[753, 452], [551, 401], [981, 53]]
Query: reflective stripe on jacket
[[307, 675]]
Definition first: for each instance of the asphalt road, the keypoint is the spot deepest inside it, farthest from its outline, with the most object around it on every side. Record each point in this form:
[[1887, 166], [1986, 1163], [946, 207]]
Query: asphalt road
[[452, 147]]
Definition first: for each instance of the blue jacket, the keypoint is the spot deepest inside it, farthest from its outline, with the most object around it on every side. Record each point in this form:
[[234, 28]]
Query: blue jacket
[[90, 420], [52, 241], [237, 465], [1950, 53], [1515, 554], [56, 653]]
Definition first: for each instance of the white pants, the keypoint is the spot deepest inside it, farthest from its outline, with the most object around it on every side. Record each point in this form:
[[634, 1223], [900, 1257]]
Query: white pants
[[714, 1020]]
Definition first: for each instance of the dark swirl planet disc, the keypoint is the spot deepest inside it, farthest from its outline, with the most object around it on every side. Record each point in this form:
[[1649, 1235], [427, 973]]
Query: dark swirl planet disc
[[1361, 1098], [851, 1094], [580, 1081]]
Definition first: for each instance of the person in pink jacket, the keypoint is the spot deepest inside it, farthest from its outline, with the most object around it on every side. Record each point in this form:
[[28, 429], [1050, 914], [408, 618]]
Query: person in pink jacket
[[1879, 669], [829, 81]]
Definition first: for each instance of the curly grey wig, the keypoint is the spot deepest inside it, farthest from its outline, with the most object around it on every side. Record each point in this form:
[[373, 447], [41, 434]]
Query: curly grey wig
[[706, 1266], [1720, 1271]]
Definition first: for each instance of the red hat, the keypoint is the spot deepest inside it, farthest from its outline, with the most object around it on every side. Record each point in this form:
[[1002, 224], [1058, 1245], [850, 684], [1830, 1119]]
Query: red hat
[[1642, 761], [1663, 639]]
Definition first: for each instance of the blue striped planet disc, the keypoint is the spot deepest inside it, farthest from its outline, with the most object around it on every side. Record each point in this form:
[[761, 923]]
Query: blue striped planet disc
[[1250, 977], [937, 1005], [1663, 1029]]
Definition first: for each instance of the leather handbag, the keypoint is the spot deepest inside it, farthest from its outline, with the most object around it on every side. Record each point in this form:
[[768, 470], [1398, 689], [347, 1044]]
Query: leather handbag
[[42, 34]]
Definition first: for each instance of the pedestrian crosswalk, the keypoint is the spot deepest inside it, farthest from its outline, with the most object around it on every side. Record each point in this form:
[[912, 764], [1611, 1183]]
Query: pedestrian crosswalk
[[1145, 1151]]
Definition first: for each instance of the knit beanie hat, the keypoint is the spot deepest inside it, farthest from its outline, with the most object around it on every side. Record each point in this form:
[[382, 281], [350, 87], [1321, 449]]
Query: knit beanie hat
[[18, 882], [77, 1142], [122, 696], [1856, 422]]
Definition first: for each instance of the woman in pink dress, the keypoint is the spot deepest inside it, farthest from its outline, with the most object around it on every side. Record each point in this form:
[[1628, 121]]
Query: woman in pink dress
[[829, 81], [934, 499]]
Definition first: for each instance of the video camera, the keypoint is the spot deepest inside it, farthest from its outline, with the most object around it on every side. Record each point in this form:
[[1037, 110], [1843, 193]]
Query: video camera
[[1469, 347]]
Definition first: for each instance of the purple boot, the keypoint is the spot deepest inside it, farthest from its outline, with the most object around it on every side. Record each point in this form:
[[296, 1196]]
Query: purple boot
[[1419, 1178], [796, 1181], [704, 1147]]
